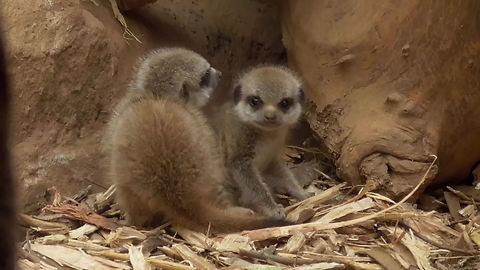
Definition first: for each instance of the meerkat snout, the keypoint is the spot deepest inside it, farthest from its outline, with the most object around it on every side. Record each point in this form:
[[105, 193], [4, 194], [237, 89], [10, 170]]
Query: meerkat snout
[[270, 114], [208, 83], [199, 93], [269, 98]]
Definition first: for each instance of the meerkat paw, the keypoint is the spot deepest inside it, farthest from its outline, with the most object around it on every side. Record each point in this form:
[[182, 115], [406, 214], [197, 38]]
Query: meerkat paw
[[277, 211], [241, 211], [301, 195], [298, 192]]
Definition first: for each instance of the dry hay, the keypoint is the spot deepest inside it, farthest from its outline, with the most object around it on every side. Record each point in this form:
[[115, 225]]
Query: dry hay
[[338, 229]]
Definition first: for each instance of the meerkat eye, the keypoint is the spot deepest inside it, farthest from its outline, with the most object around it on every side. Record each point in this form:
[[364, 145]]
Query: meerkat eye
[[205, 78], [285, 104], [254, 101]]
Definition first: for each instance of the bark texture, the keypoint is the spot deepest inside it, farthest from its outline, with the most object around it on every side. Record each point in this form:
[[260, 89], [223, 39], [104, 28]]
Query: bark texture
[[390, 85]]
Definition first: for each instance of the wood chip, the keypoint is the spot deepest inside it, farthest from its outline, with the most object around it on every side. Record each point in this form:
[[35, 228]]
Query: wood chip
[[51, 239], [86, 229], [301, 215], [419, 249], [320, 266], [403, 255], [29, 221], [295, 243], [76, 212], [195, 238], [266, 255], [153, 261], [168, 265], [76, 259], [123, 236], [346, 209], [88, 246], [353, 262], [317, 199], [137, 260], [28, 265], [475, 236], [82, 194], [467, 211], [187, 254], [104, 200], [382, 256], [464, 242], [463, 195], [237, 263], [433, 227], [233, 243], [453, 203]]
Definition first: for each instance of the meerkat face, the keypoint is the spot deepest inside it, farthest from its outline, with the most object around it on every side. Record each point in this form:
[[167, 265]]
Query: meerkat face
[[178, 73], [200, 94], [269, 97]]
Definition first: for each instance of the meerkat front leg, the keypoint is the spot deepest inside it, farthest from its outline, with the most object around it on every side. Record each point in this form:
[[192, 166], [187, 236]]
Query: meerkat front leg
[[226, 198], [254, 193], [279, 178]]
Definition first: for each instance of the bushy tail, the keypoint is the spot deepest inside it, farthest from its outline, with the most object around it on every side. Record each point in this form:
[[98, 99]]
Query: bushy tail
[[224, 221]]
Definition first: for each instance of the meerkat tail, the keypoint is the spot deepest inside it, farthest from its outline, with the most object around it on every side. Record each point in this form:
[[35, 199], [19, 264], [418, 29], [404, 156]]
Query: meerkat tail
[[225, 221]]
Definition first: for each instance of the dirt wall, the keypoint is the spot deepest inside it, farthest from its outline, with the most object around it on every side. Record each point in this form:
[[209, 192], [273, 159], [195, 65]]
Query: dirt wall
[[70, 61]]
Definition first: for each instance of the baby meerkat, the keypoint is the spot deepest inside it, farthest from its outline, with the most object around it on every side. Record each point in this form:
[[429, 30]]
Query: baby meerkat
[[267, 101], [163, 156], [167, 73]]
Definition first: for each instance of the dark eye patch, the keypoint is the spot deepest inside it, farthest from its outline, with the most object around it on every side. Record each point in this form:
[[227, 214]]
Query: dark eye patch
[[254, 101], [237, 93], [285, 104], [205, 78], [301, 96]]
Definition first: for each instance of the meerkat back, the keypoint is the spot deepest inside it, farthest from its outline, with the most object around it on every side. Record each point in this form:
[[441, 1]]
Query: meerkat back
[[166, 167], [161, 151]]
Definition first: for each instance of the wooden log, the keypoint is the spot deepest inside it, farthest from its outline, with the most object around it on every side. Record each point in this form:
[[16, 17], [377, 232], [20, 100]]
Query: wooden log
[[391, 84]]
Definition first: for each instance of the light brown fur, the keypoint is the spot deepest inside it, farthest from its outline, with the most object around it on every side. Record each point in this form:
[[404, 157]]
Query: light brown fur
[[166, 165], [253, 137], [173, 73]]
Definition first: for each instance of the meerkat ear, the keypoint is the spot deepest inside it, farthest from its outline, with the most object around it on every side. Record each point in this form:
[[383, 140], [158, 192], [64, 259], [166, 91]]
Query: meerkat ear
[[237, 93], [301, 96], [184, 93]]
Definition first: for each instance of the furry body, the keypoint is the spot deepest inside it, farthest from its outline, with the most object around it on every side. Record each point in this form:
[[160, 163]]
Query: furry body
[[164, 158], [253, 129]]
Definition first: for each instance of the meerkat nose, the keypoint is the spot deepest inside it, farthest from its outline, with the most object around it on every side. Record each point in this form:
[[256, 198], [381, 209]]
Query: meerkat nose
[[217, 72], [270, 115]]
